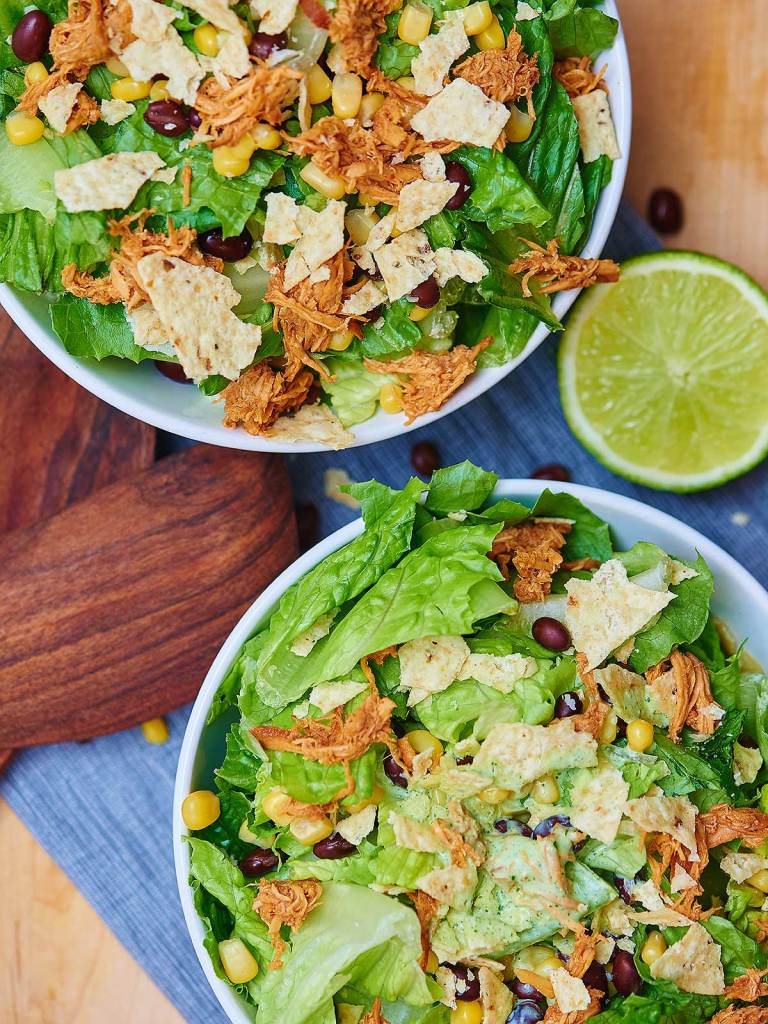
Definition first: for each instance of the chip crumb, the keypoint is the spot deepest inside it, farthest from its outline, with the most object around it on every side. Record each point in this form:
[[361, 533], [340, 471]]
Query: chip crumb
[[596, 130], [420, 200], [115, 111], [437, 53], [106, 183], [333, 481], [741, 518], [461, 112], [314, 423]]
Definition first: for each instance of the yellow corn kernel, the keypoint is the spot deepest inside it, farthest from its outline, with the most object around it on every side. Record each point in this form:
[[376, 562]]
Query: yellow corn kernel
[[200, 809], [311, 830], [494, 795], [365, 199], [319, 86], [159, 90], [274, 805], [539, 981], [492, 38], [36, 73], [377, 795], [340, 341], [22, 129], [327, 185], [346, 94], [228, 163], [238, 961], [369, 104], [244, 148], [610, 728], [432, 962], [536, 958], [477, 17], [546, 790], [519, 126], [247, 34], [206, 40], [639, 735], [422, 740], [155, 731], [266, 137], [116, 66], [759, 880], [653, 947], [407, 82], [129, 89], [359, 224], [415, 22], [468, 1013], [418, 313], [391, 398]]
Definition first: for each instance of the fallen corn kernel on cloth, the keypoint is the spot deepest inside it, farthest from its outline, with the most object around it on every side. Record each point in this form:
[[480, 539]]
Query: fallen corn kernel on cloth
[[102, 809]]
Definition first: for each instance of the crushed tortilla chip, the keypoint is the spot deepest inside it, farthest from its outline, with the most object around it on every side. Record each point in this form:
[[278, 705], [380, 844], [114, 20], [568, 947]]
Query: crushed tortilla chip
[[122, 283], [81, 41], [228, 112], [741, 1015], [356, 25], [558, 272], [693, 963], [432, 376], [504, 75], [260, 396], [288, 903], [695, 705], [426, 909], [534, 551], [578, 77], [356, 155], [723, 823]]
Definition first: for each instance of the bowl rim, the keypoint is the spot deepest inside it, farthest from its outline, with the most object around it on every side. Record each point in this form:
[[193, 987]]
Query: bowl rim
[[605, 503], [96, 378]]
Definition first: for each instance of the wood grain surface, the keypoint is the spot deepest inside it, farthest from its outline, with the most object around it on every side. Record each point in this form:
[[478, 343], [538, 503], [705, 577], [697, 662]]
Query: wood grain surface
[[188, 543], [701, 103]]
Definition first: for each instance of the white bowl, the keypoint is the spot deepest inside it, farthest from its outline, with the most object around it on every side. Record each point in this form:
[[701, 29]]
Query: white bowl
[[739, 601], [181, 409]]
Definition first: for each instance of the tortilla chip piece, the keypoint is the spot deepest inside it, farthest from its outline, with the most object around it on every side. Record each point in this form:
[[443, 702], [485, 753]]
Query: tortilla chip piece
[[365, 299], [58, 104], [315, 423], [596, 130], [604, 611], [357, 826], [693, 963], [217, 12], [115, 111], [420, 200], [430, 664], [156, 48], [496, 998], [450, 263], [106, 183], [673, 815], [437, 53], [275, 15], [432, 376], [461, 113], [322, 236], [598, 803], [404, 263], [571, 993], [288, 903]]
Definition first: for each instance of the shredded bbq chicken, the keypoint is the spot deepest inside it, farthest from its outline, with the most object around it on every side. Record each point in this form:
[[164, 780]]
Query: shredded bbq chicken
[[749, 987], [723, 823], [81, 41], [261, 395], [122, 283], [533, 549], [578, 77], [741, 1015], [356, 26], [281, 903], [555, 1015], [583, 953], [695, 705], [558, 273], [593, 719], [426, 908], [228, 112], [432, 377], [374, 1015], [504, 75]]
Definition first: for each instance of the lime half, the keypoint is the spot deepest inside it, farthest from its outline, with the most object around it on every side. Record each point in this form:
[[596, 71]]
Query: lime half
[[664, 376]]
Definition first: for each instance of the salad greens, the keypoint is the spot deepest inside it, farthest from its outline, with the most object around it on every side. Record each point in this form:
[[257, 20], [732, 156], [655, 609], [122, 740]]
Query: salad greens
[[352, 214], [439, 803]]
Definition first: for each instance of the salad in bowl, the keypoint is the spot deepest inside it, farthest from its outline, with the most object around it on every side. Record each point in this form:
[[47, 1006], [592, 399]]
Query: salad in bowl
[[491, 758], [320, 215]]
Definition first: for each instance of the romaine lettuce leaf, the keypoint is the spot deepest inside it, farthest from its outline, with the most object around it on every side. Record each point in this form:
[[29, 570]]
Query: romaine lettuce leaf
[[665, 1004], [314, 783], [90, 331], [462, 487], [34, 252], [500, 197], [509, 328], [353, 390], [578, 31], [590, 536], [392, 333]]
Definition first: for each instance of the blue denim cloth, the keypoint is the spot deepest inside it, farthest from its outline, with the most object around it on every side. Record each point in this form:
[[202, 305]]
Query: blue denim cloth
[[103, 809]]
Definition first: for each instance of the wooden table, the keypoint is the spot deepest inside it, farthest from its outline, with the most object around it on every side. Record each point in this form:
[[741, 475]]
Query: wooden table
[[701, 105]]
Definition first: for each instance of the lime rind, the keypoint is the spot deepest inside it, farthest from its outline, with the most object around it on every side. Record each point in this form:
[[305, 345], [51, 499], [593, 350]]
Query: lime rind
[[753, 303]]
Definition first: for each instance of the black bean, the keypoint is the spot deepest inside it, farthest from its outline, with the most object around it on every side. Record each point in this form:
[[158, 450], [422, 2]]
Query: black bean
[[468, 759], [30, 37], [307, 526], [526, 1011], [747, 741], [258, 862], [568, 704], [665, 211], [263, 44], [468, 987], [595, 977], [552, 471], [548, 825], [427, 294], [425, 458], [333, 847], [551, 634], [512, 826], [394, 772], [172, 371], [623, 886], [458, 173], [167, 117], [525, 991], [231, 249], [194, 118], [625, 975]]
